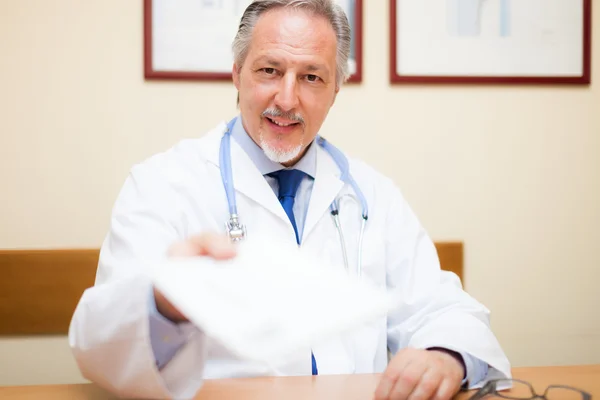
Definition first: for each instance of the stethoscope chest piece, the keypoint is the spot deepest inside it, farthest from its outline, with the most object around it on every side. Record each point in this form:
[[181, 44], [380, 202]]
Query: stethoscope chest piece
[[235, 231]]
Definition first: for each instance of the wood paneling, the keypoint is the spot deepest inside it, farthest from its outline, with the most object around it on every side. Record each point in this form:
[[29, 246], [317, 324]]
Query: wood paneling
[[451, 257], [39, 289]]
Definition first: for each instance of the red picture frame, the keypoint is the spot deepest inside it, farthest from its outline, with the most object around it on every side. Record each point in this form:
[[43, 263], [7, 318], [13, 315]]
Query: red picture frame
[[583, 79], [152, 74]]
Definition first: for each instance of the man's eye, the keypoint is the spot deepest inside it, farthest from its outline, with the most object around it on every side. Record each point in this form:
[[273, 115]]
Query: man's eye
[[312, 78], [269, 71]]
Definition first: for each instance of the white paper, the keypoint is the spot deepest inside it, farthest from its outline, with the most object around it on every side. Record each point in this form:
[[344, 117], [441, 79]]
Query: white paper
[[270, 301]]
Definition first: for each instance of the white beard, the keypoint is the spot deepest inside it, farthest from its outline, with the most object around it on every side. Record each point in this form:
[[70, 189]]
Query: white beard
[[278, 155]]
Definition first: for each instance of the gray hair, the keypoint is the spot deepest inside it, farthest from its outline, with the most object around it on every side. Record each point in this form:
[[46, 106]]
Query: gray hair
[[324, 8]]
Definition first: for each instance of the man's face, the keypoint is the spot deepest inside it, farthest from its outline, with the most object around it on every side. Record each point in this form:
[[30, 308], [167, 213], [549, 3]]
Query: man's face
[[287, 83]]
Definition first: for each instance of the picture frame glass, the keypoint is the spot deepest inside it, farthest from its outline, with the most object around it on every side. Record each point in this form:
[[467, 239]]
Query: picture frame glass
[[193, 38], [493, 38]]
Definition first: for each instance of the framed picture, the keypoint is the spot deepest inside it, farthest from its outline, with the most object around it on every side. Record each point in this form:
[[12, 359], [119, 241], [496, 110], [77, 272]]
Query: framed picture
[[490, 41], [191, 39]]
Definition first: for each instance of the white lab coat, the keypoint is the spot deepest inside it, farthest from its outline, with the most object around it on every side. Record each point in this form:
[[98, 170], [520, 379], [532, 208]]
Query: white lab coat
[[179, 193]]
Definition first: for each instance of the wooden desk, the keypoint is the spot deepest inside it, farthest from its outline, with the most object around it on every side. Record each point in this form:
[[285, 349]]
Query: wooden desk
[[347, 387]]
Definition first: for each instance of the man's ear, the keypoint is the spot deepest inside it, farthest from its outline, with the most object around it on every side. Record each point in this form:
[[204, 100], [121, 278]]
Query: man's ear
[[235, 72], [337, 89]]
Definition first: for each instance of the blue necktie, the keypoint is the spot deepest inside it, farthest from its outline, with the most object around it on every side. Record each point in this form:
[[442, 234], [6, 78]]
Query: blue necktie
[[289, 180]]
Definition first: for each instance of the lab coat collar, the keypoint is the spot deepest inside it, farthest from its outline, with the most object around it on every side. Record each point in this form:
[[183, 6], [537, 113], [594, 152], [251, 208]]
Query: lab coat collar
[[247, 179], [325, 189]]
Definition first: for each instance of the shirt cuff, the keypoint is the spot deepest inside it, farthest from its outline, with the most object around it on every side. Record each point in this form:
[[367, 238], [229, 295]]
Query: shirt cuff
[[166, 337], [476, 369]]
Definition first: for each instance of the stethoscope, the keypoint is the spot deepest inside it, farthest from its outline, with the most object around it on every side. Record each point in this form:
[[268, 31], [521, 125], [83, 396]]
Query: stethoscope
[[236, 231]]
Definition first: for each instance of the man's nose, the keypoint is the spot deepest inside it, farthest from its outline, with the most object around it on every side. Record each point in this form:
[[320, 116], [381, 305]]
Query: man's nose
[[287, 94]]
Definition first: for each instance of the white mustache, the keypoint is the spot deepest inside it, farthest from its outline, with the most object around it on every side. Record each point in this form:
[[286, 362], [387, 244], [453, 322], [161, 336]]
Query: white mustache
[[276, 112]]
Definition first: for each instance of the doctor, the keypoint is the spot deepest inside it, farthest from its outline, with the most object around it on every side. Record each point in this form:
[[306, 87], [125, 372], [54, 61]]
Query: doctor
[[290, 60]]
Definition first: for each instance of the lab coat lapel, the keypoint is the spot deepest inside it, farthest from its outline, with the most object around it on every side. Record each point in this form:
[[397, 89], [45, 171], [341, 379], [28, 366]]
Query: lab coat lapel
[[247, 179], [326, 187]]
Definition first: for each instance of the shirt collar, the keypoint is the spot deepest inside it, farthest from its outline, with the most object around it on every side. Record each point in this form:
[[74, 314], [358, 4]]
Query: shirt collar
[[307, 164]]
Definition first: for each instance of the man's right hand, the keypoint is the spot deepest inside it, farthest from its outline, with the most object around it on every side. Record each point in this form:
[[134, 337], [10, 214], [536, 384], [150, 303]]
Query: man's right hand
[[208, 244]]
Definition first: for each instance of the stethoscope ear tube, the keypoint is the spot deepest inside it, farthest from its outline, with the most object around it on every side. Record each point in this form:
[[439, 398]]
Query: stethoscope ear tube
[[225, 166], [335, 213], [343, 165], [235, 230]]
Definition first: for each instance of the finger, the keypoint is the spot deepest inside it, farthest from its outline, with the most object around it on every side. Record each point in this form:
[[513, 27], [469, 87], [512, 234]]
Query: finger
[[408, 380], [447, 389], [206, 244], [428, 385], [214, 245], [392, 372]]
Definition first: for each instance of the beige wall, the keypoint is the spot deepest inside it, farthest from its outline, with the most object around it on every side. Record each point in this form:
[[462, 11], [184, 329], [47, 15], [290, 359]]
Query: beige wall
[[512, 171]]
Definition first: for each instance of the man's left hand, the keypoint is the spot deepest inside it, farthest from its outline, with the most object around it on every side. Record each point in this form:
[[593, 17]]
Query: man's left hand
[[415, 374]]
